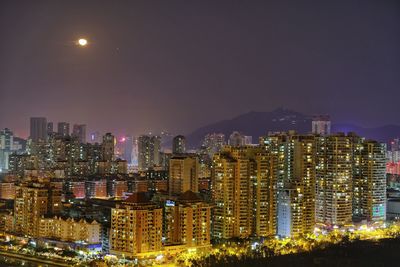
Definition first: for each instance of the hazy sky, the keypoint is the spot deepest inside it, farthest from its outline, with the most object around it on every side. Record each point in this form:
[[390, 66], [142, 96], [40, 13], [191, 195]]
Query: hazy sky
[[178, 65]]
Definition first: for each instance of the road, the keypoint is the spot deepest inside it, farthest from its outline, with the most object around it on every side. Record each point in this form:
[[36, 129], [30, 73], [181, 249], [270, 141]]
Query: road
[[33, 259]]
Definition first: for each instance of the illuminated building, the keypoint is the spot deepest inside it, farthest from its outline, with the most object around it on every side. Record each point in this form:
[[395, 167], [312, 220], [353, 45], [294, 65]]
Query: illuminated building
[[6, 147], [69, 229], [96, 188], [139, 185], [334, 179], [183, 174], [18, 164], [108, 147], [265, 194], [136, 227], [111, 167], [188, 221], [369, 181], [38, 129], [32, 202], [321, 125], [95, 137], [117, 188], [63, 129], [79, 131], [238, 139], [213, 143], [237, 195], [149, 148], [303, 181], [76, 188], [50, 128], [179, 144], [7, 190], [294, 177]]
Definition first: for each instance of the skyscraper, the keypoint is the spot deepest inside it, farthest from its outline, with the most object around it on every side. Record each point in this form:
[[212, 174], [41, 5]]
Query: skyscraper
[[334, 179], [213, 143], [296, 199], [183, 174], [38, 129], [6, 147], [63, 129], [369, 181], [321, 125], [179, 144], [50, 128], [108, 147], [236, 139], [243, 191], [149, 148], [79, 131]]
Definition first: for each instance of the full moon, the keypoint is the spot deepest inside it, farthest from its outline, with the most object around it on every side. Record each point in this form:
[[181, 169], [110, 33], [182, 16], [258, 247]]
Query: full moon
[[82, 42]]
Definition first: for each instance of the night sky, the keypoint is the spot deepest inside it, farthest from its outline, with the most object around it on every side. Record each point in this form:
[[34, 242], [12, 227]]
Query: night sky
[[178, 65]]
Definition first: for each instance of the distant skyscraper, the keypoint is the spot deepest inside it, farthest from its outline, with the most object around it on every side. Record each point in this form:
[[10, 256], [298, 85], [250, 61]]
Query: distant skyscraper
[[38, 129], [238, 139], [79, 131], [128, 149], [183, 174], [108, 147], [321, 125], [213, 143], [6, 147], [95, 137], [63, 129], [149, 148], [50, 128], [179, 144]]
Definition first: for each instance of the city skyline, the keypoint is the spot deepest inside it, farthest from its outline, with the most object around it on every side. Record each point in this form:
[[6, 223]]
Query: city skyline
[[199, 133], [145, 63]]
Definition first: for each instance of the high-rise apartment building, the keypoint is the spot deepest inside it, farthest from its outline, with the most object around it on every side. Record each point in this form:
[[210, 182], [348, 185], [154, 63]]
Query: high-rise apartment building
[[321, 125], [38, 129], [238, 139], [63, 129], [179, 144], [136, 227], [50, 128], [183, 174], [334, 173], [79, 131], [243, 183], [108, 147], [213, 143], [369, 181], [32, 202], [6, 147], [149, 148], [187, 221], [296, 199]]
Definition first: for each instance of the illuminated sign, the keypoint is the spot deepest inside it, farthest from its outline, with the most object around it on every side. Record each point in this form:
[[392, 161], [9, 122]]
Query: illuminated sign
[[170, 203]]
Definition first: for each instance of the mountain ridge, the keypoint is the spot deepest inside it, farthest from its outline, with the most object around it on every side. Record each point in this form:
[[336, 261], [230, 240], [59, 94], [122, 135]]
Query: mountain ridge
[[259, 123]]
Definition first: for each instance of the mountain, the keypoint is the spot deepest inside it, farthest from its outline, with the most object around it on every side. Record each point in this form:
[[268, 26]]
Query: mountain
[[257, 124]]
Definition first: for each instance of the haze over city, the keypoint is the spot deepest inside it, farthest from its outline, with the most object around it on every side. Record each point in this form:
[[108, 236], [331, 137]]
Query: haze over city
[[178, 65]]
